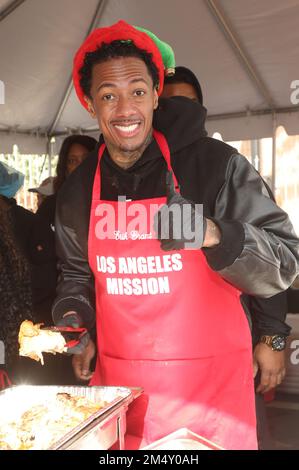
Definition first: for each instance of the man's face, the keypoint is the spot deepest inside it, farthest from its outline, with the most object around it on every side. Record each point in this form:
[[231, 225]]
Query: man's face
[[123, 101], [179, 89]]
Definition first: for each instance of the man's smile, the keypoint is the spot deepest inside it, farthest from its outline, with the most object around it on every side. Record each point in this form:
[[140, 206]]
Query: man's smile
[[127, 129]]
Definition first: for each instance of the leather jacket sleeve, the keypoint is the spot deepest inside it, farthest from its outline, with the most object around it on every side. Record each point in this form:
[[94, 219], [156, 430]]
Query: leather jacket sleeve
[[259, 251], [267, 316], [75, 291]]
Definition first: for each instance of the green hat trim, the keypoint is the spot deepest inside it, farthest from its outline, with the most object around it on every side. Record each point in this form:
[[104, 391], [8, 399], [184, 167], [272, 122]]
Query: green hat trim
[[165, 50]]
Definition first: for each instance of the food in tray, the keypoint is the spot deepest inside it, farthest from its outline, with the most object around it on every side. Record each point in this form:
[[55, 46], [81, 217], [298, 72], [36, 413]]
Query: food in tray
[[42, 425], [34, 341]]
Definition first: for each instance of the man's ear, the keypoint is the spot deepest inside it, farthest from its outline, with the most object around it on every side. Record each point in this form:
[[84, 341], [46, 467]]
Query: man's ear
[[156, 99], [90, 107]]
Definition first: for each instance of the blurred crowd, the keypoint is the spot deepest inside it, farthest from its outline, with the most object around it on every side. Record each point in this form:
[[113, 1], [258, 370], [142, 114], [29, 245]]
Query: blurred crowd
[[29, 268]]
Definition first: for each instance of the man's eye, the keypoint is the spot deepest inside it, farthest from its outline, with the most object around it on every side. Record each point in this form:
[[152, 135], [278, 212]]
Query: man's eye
[[108, 97], [139, 92]]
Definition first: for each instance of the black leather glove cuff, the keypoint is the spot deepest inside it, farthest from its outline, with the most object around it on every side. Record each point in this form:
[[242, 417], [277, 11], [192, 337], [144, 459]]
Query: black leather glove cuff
[[230, 246], [71, 304]]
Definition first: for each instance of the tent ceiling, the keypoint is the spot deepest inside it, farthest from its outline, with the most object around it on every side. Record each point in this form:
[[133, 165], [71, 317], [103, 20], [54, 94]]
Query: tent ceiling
[[244, 53]]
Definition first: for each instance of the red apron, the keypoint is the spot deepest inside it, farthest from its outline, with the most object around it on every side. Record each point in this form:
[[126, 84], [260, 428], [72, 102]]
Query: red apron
[[4, 380], [168, 323]]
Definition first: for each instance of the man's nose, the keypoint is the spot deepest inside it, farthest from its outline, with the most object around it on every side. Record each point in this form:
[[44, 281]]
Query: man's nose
[[124, 106]]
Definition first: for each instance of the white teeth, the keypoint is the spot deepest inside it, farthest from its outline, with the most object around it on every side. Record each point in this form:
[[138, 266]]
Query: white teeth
[[128, 129]]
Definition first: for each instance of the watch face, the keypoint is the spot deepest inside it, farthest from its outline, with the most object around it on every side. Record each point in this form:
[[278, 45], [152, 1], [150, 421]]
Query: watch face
[[278, 343]]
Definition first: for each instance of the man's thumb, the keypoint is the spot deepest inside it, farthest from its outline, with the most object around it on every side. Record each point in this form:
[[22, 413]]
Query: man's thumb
[[255, 368], [85, 365]]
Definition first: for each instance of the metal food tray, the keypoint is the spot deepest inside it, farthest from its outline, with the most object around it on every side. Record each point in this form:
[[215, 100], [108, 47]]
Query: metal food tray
[[99, 431], [183, 439]]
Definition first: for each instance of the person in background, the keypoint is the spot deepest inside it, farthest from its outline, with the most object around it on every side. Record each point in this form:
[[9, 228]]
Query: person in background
[[183, 83], [11, 181], [45, 189], [15, 282], [266, 316], [73, 152]]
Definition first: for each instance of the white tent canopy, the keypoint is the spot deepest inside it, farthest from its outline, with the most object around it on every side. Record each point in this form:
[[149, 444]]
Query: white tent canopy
[[245, 55]]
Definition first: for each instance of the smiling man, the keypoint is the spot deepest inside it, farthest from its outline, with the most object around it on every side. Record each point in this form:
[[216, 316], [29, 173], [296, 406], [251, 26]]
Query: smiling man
[[168, 318], [123, 95]]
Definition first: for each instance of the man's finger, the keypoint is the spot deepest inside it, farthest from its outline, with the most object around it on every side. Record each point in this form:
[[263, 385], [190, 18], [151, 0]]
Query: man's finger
[[268, 383], [86, 375], [271, 380], [255, 368], [86, 366], [81, 369], [280, 376], [279, 379], [265, 382]]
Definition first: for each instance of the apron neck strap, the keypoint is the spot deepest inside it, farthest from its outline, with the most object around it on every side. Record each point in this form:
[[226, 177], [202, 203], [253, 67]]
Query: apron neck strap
[[163, 146], [101, 151], [4, 380]]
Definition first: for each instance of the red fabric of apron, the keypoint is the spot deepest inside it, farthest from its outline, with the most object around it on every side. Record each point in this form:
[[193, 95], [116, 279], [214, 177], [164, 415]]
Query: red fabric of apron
[[168, 323], [4, 380]]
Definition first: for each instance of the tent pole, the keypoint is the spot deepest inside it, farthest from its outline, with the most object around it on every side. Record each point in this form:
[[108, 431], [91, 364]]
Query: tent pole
[[48, 155], [51, 153], [10, 8], [274, 126], [255, 158], [235, 42], [96, 17]]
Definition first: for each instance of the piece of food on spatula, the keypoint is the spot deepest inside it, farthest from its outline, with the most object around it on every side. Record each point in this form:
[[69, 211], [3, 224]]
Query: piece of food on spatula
[[34, 341]]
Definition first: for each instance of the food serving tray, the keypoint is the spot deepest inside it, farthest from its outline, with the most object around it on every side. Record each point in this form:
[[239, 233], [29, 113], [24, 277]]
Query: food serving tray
[[99, 431], [183, 439]]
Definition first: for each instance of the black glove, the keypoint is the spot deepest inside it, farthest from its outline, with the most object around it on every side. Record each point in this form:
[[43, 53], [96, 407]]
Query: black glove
[[179, 224], [74, 320]]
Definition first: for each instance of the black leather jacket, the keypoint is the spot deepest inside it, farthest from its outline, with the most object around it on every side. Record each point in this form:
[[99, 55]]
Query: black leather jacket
[[259, 250]]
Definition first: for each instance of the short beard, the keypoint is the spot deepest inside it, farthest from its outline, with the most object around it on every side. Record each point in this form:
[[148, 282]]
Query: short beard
[[132, 155], [140, 148]]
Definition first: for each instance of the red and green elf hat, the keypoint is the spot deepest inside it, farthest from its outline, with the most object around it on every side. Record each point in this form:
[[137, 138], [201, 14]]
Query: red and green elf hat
[[162, 53]]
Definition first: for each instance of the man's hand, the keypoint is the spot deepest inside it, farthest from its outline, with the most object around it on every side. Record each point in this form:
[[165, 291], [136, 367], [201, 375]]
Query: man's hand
[[212, 235], [179, 223], [74, 320], [81, 362], [271, 365]]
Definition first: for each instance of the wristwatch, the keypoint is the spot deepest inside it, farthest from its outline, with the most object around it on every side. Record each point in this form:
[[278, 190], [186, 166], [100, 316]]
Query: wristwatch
[[275, 342]]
